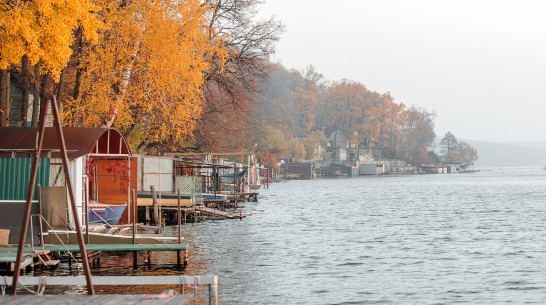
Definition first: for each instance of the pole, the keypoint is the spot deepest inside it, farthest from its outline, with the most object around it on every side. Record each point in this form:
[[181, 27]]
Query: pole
[[133, 205], [133, 212], [30, 194], [60, 136], [86, 199], [155, 210], [235, 185], [213, 291], [178, 253]]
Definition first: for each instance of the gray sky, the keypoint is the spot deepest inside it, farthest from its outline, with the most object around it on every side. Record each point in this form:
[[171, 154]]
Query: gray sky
[[480, 65]]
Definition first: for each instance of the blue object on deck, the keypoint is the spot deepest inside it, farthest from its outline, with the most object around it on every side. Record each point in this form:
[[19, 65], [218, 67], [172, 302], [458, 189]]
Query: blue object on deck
[[105, 213]]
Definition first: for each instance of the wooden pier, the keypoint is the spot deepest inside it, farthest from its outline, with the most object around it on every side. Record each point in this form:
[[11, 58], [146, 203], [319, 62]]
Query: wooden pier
[[92, 299], [188, 283], [9, 254]]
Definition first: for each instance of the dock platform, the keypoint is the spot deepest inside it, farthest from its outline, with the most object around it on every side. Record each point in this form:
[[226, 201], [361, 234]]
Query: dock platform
[[92, 299], [8, 254], [7, 251], [177, 282]]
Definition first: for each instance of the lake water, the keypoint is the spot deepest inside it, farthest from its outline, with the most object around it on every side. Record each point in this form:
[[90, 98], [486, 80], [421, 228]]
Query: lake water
[[476, 238], [418, 239]]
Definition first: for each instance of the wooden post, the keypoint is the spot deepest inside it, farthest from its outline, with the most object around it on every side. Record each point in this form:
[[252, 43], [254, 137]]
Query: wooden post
[[133, 205], [213, 291], [147, 215], [155, 207], [235, 185], [178, 253], [86, 207], [30, 194], [133, 210]]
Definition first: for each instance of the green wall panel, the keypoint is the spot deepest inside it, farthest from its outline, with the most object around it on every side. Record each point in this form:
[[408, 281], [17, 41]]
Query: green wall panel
[[15, 176]]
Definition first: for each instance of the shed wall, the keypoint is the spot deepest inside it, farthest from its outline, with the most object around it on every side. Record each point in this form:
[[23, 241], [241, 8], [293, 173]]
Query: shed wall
[[15, 176]]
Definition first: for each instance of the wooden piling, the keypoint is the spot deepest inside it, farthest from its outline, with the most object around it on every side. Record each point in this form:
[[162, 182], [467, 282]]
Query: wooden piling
[[155, 207], [178, 253]]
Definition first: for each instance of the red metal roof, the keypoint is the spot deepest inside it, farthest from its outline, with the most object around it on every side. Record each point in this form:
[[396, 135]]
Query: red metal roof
[[79, 141]]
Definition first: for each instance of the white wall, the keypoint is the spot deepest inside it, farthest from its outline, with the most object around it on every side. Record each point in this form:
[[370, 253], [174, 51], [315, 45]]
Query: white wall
[[157, 171], [76, 170]]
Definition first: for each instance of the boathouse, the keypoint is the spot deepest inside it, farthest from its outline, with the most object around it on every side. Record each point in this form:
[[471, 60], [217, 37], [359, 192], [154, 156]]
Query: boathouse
[[298, 170], [101, 167]]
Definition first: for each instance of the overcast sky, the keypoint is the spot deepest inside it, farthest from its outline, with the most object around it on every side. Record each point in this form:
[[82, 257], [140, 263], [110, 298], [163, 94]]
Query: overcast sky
[[480, 65]]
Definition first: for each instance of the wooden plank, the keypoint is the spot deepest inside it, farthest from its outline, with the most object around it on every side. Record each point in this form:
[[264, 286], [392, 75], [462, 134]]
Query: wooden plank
[[94, 299], [52, 262], [216, 212], [165, 202], [106, 247], [112, 280]]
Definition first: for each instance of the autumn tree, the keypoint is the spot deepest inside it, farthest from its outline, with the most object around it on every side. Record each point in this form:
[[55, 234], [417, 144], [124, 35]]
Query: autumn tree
[[417, 135], [270, 143], [40, 33], [448, 147], [295, 149], [344, 106], [455, 151], [230, 91], [307, 87], [383, 123], [146, 74], [315, 145], [466, 153]]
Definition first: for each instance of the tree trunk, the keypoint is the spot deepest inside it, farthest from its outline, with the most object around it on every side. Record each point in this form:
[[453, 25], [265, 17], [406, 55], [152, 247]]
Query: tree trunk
[[26, 90], [43, 91], [124, 84], [60, 85], [59, 92], [36, 92], [4, 97], [80, 70]]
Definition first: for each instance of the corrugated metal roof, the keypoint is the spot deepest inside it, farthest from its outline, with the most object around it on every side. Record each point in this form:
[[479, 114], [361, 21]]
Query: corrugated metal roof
[[79, 141]]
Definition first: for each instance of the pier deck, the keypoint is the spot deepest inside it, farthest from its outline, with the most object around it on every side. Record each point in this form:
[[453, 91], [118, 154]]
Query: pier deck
[[7, 251], [92, 299], [175, 281], [8, 254]]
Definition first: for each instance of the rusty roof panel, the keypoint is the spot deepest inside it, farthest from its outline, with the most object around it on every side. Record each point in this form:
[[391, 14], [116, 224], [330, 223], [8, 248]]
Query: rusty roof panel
[[79, 141]]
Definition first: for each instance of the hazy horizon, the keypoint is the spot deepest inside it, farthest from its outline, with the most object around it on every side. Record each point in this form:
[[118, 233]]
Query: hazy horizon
[[478, 64]]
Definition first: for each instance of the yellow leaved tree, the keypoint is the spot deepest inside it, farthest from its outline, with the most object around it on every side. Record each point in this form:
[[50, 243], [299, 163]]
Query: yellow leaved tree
[[146, 73], [38, 32], [43, 31]]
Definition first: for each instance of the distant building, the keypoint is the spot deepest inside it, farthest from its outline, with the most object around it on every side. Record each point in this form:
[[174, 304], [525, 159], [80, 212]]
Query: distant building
[[337, 140], [298, 170]]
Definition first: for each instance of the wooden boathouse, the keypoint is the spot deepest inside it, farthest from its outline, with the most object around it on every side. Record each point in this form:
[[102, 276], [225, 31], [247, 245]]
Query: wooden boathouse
[[101, 166]]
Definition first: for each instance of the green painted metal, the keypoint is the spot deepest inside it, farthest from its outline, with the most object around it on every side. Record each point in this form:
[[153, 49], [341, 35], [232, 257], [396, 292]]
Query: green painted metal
[[15, 176]]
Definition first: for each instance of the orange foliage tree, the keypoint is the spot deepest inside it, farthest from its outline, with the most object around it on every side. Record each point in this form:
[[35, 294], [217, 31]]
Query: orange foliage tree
[[417, 134], [146, 74], [39, 33]]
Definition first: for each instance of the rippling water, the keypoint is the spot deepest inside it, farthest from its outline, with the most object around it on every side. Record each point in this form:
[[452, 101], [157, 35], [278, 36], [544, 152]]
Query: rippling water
[[417, 239]]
